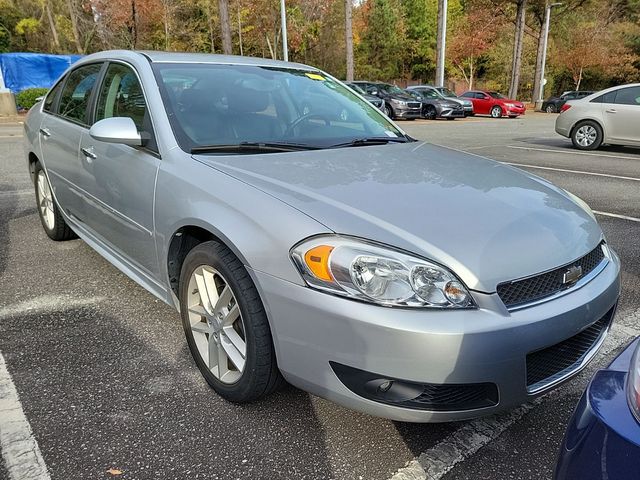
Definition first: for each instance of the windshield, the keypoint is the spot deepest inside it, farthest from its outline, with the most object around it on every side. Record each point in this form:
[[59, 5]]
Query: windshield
[[496, 95], [218, 105], [357, 88], [391, 89], [446, 92]]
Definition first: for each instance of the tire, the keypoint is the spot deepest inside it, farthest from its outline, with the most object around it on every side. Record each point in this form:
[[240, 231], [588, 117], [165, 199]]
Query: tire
[[550, 108], [496, 111], [388, 111], [587, 135], [451, 118], [430, 112], [240, 322], [51, 218]]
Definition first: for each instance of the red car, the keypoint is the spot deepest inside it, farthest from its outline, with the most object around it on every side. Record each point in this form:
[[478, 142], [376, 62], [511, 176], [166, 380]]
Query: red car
[[494, 104]]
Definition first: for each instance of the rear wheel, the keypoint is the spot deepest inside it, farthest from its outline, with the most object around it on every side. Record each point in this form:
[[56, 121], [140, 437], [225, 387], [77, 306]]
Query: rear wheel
[[550, 108], [496, 111], [587, 135], [50, 216], [226, 325]]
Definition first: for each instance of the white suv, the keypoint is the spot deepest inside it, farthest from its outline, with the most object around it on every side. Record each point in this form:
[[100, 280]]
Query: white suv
[[610, 116]]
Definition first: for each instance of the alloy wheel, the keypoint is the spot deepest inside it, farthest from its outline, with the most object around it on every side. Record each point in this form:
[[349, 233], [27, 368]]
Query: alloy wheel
[[550, 109], [496, 112], [45, 201], [217, 325], [586, 135]]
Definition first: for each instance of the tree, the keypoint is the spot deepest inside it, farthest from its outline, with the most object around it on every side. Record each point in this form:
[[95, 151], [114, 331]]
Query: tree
[[382, 40], [517, 47], [349, 38], [473, 37], [225, 26]]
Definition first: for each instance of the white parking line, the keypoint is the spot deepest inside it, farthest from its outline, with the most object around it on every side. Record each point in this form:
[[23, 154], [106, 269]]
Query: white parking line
[[616, 215], [437, 461], [20, 451], [573, 152], [45, 303], [580, 172]]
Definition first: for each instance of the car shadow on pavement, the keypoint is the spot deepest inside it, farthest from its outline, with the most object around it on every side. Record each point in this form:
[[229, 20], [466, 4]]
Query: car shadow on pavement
[[98, 396], [8, 202]]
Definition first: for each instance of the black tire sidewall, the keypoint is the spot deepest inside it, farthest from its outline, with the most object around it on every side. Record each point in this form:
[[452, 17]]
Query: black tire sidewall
[[219, 257], [595, 145]]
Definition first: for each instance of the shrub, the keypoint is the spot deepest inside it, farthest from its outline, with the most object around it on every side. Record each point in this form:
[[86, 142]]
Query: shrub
[[27, 98]]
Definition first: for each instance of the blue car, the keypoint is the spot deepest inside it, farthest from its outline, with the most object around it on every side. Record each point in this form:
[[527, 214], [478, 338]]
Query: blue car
[[603, 437]]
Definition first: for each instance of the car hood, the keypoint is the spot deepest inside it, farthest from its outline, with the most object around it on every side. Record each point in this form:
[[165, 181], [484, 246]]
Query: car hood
[[402, 97], [486, 221]]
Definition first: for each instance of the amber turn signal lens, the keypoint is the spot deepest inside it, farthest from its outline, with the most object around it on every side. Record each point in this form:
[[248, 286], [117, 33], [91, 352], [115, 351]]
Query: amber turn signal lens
[[317, 259]]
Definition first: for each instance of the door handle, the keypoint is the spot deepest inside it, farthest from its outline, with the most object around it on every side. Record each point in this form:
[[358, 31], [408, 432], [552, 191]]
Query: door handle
[[611, 110], [45, 132], [88, 152]]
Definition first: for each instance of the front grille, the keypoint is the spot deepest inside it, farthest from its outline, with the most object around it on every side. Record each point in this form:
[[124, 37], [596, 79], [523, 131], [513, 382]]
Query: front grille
[[414, 104], [552, 363], [519, 292]]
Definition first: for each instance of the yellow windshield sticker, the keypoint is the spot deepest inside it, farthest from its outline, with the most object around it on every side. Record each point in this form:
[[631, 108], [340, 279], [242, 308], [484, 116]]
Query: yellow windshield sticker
[[315, 76]]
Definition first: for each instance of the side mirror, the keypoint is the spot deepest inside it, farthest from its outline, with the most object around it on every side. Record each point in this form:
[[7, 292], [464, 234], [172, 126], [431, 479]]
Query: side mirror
[[116, 130], [374, 92]]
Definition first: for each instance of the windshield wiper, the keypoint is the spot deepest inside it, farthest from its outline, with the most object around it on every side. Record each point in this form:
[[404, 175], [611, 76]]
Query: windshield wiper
[[360, 142], [254, 146]]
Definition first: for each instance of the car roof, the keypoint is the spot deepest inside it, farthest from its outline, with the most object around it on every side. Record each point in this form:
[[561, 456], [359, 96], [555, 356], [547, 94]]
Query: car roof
[[210, 58], [590, 97]]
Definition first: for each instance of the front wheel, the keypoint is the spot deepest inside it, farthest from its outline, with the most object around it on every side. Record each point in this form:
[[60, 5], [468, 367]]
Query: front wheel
[[51, 218], [430, 112], [587, 135], [226, 325], [496, 111], [388, 111], [550, 109]]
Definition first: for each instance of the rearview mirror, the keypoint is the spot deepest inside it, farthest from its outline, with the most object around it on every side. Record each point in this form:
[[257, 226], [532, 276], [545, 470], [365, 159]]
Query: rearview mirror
[[116, 130]]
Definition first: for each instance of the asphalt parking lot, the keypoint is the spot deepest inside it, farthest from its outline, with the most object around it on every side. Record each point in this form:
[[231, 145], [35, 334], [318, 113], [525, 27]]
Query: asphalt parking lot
[[108, 387]]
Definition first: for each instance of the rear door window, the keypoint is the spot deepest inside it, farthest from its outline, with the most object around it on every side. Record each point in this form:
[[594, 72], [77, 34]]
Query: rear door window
[[628, 96], [606, 98], [76, 94]]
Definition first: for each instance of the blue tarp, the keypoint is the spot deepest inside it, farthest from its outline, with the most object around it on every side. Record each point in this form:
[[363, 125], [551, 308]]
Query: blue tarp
[[33, 70]]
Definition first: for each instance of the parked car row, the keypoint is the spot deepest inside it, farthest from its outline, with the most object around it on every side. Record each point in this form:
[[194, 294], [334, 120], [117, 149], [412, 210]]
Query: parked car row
[[426, 101]]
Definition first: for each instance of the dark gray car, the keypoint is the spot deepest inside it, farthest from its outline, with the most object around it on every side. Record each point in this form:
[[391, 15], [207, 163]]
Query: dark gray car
[[325, 247], [372, 99], [434, 105], [398, 104]]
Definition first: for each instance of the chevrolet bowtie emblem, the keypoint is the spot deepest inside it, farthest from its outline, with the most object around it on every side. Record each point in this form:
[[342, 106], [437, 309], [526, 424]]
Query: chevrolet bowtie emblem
[[572, 275]]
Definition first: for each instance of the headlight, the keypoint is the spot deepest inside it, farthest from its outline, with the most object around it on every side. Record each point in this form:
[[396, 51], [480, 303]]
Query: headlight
[[633, 384], [377, 274], [398, 102], [510, 105]]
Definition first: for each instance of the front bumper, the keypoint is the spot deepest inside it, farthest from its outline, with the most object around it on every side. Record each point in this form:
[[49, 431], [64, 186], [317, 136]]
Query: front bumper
[[406, 112], [486, 345], [515, 110], [447, 112], [603, 437]]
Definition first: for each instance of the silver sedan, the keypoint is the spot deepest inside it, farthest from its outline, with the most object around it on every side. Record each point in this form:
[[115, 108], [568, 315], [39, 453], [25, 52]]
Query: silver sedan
[[611, 116], [304, 237]]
